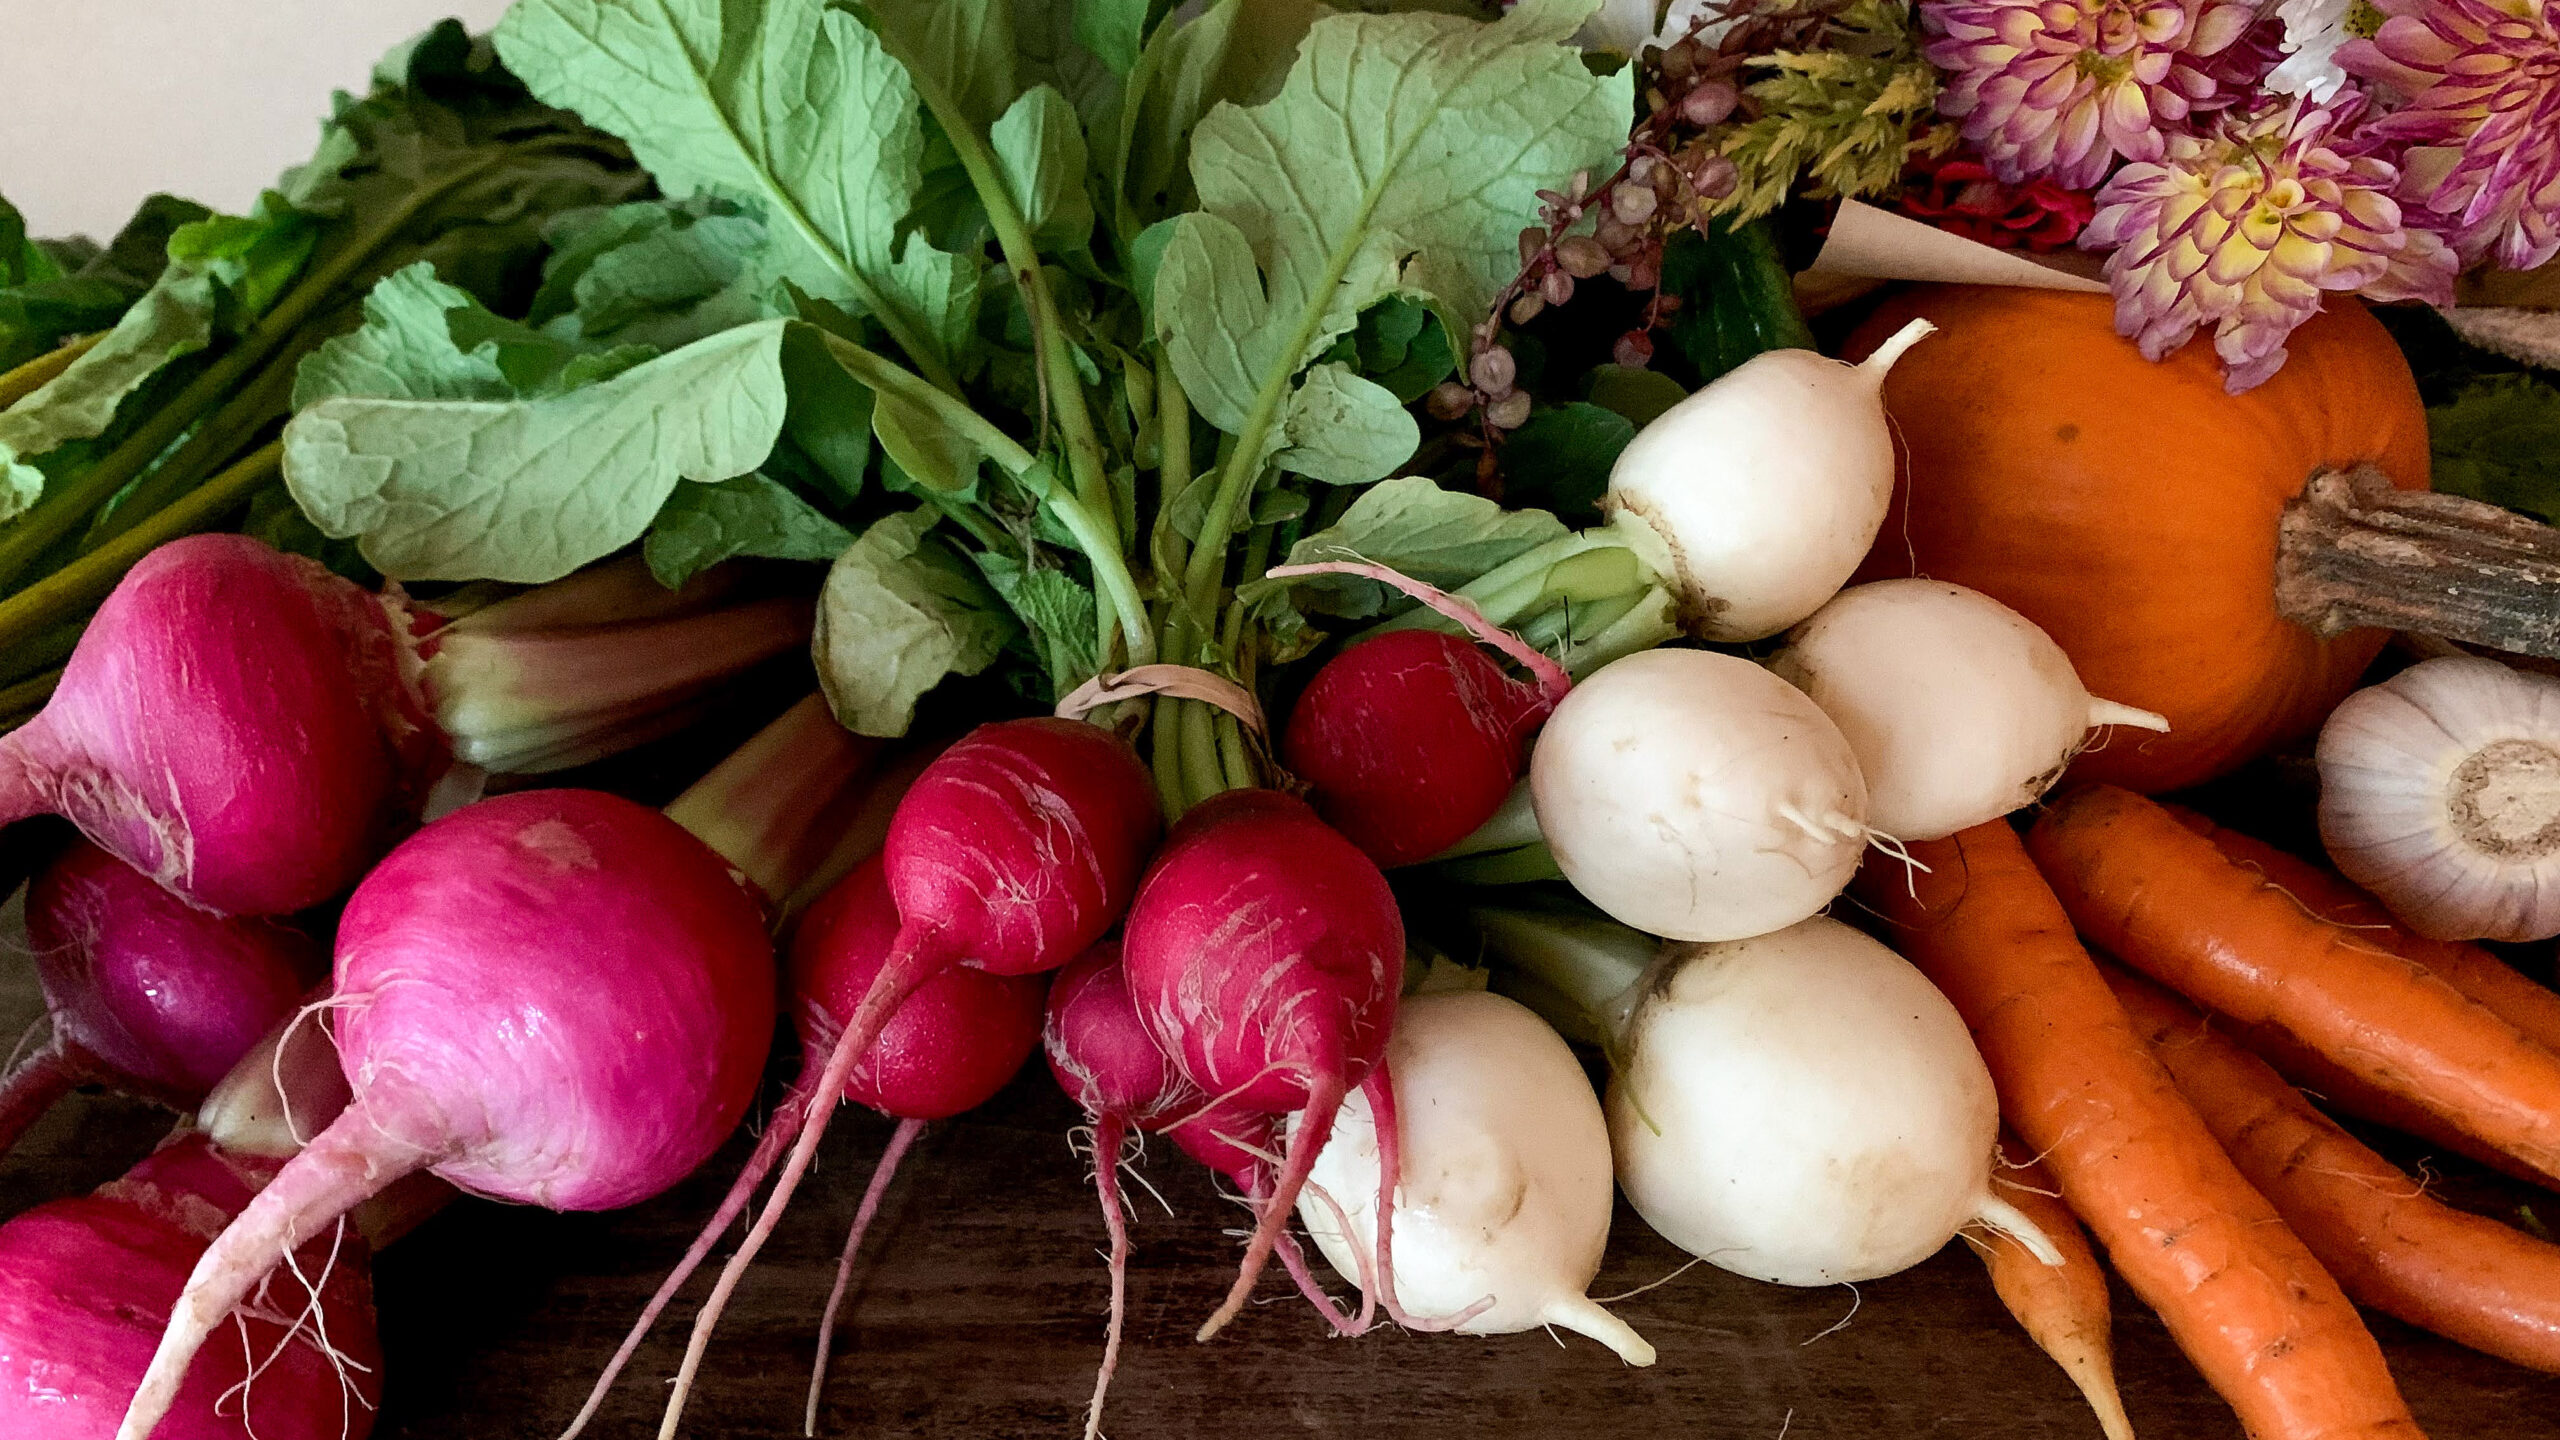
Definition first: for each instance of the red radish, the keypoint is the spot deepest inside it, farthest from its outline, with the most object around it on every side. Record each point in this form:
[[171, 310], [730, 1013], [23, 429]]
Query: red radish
[[556, 997], [1265, 953], [211, 732], [1106, 1061], [949, 1047], [1411, 740], [147, 993], [85, 1283], [1013, 851]]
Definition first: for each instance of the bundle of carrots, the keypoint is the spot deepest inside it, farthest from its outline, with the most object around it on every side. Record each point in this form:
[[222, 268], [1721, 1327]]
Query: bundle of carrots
[[2163, 1104]]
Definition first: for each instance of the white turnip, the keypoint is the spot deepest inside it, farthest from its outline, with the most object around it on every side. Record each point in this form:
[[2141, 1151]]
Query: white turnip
[[1959, 708], [1695, 795], [1802, 1107], [1768, 486], [1506, 1181]]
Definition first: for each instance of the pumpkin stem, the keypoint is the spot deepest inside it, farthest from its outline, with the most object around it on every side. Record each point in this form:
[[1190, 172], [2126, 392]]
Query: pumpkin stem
[[2354, 551]]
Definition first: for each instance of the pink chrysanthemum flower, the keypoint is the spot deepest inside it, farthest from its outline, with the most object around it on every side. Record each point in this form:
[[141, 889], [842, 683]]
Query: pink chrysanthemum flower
[[2482, 122], [2060, 88], [2243, 227]]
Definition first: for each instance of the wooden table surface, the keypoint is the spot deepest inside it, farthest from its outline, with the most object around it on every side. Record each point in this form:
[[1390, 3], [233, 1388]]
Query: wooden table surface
[[978, 1315]]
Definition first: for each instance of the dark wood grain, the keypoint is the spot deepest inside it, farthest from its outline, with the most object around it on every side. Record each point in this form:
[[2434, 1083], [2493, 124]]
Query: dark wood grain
[[979, 1315]]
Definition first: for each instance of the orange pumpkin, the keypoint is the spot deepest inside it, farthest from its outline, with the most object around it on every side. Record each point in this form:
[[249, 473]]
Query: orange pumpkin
[[2130, 508]]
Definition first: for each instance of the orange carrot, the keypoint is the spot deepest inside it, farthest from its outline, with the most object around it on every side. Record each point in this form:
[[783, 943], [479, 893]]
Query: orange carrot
[[2240, 1294], [2463, 1276], [2329, 896], [2149, 891], [2062, 1307], [2333, 1088]]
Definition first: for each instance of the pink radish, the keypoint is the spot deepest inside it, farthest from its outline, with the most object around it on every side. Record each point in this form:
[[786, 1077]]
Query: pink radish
[[1411, 740], [85, 1283], [147, 994], [1106, 1061], [949, 1047], [1013, 851], [210, 732], [1265, 953], [556, 997]]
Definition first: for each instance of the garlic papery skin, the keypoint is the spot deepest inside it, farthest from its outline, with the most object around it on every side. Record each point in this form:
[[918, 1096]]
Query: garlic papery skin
[[2440, 793]]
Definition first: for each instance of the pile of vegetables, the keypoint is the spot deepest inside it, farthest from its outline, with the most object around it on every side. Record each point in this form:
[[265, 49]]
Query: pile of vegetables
[[1283, 639]]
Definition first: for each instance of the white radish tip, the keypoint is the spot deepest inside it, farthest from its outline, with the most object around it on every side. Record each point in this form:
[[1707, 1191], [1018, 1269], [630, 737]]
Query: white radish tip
[[1586, 1316], [2108, 712], [1998, 1214], [1875, 365]]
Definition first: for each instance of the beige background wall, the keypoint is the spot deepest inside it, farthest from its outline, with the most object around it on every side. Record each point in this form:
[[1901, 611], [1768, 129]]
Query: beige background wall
[[104, 101]]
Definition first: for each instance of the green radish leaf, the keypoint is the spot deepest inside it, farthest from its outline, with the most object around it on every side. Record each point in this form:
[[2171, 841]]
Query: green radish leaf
[[1116, 30], [1639, 395], [794, 105], [175, 319], [901, 610], [967, 45], [530, 490], [1238, 51], [930, 452], [829, 421], [1040, 147], [702, 525], [1399, 155], [1440, 537], [1048, 52], [1344, 430], [1400, 344], [1059, 612], [404, 350], [659, 273], [1562, 457], [51, 291]]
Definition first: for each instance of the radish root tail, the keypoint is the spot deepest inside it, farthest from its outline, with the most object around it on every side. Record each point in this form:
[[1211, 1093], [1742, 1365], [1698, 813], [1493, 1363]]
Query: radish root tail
[[786, 1123], [1380, 1090], [346, 1163], [1324, 1101], [1107, 1134], [920, 954], [881, 1174]]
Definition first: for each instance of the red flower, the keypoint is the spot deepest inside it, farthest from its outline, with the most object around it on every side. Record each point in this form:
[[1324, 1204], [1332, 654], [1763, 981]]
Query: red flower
[[1957, 193]]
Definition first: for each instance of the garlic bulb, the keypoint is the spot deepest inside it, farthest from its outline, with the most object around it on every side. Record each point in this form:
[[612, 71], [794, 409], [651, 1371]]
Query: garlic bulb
[[2440, 793]]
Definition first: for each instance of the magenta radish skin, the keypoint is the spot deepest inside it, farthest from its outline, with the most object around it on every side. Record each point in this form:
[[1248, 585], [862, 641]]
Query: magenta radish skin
[[1410, 741], [1015, 849], [950, 1045], [147, 993], [556, 997], [85, 1284], [214, 729], [1265, 953]]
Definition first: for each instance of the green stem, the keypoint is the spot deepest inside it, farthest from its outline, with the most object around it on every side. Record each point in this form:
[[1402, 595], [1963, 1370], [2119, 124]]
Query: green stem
[[1235, 761], [1013, 237], [1095, 533], [41, 527], [1203, 773], [88, 579], [1165, 757], [1595, 963], [35, 374], [1165, 546], [1100, 543], [221, 438]]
